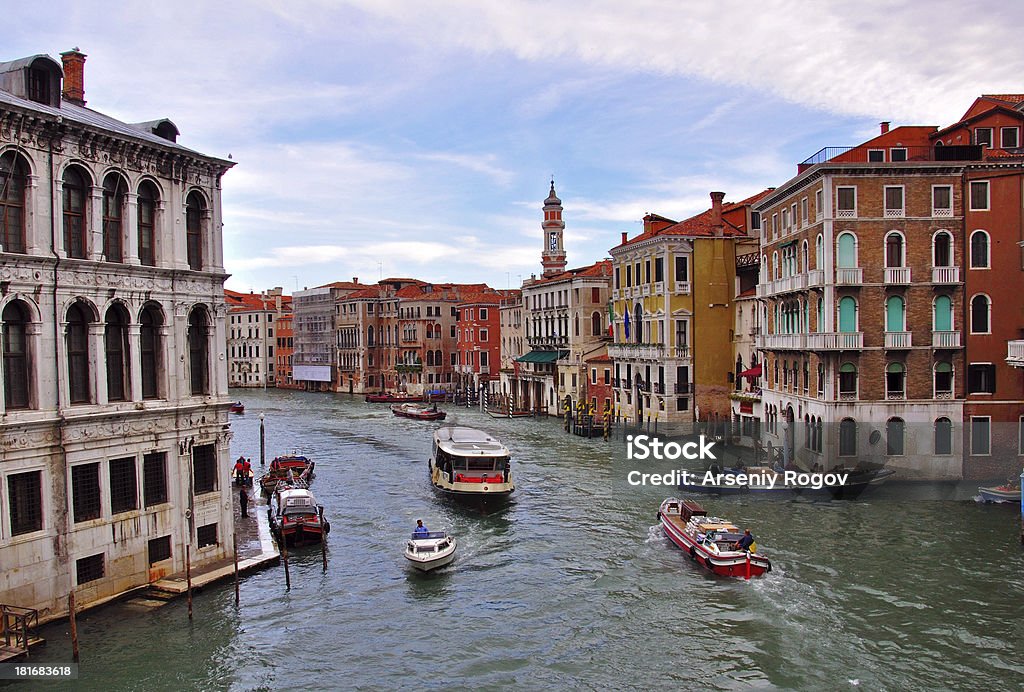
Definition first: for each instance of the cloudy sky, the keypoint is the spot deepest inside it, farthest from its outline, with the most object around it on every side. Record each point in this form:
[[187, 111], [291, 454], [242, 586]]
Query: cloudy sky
[[403, 138]]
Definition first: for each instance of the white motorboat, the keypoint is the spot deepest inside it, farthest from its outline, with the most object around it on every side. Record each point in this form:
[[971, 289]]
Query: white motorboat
[[470, 465], [428, 550]]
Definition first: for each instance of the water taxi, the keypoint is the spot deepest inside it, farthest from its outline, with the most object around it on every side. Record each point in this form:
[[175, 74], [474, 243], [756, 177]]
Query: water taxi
[[429, 550], [710, 541], [1009, 492], [469, 464]]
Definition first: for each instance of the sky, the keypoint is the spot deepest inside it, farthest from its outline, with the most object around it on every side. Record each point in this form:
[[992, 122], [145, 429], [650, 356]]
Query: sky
[[378, 138]]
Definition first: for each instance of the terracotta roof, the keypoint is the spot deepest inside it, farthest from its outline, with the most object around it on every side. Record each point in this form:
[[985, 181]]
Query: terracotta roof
[[240, 302], [749, 293], [368, 292], [598, 269], [598, 359], [343, 284], [1012, 99], [481, 298]]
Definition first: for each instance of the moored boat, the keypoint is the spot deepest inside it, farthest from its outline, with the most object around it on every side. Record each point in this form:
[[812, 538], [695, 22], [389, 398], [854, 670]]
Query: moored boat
[[710, 541], [295, 517], [429, 550], [469, 464], [237, 407], [387, 398], [288, 467], [1009, 492], [418, 412]]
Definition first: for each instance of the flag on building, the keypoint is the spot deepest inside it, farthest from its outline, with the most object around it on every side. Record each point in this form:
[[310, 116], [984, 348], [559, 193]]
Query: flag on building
[[611, 320], [625, 322]]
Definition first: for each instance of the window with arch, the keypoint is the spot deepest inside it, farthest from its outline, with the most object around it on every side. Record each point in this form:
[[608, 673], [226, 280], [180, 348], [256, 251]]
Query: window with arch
[[847, 314], [15, 348], [847, 437], [894, 434], [75, 202], [776, 267], [147, 204], [895, 314], [638, 324], [437, 359], [13, 184], [805, 257], [77, 339], [942, 249], [150, 352], [943, 436], [595, 324], [819, 252], [847, 251], [943, 380], [894, 249], [981, 312], [430, 358], [199, 351], [895, 381], [942, 320], [114, 189], [979, 250], [821, 380], [115, 344], [847, 381], [369, 336], [194, 209]]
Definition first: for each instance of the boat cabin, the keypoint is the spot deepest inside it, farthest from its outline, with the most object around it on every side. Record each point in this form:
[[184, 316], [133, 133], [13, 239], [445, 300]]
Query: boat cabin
[[296, 501], [471, 456]]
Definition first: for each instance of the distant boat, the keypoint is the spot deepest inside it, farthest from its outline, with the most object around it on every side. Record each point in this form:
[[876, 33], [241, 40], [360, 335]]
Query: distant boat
[[392, 398], [417, 412], [430, 549], [1000, 493], [237, 407]]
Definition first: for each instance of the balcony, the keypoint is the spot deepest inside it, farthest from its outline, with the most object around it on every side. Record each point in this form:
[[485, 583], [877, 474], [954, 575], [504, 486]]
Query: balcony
[[636, 351], [682, 352], [409, 367], [683, 388], [945, 275], [835, 341], [897, 276], [797, 342], [764, 289], [895, 340], [1015, 353], [659, 288], [849, 276], [945, 339], [645, 290], [859, 155], [682, 288], [942, 213], [815, 277], [615, 294]]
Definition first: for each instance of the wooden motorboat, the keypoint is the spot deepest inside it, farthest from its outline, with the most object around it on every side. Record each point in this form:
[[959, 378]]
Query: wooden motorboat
[[1010, 492], [418, 412], [289, 467], [710, 541], [427, 550], [295, 517], [387, 398], [469, 464], [237, 407]]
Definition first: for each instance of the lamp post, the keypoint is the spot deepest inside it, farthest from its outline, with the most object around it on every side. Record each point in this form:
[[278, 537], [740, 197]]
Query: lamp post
[[262, 442]]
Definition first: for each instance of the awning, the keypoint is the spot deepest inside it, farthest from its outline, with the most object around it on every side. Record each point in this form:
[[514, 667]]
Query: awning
[[542, 356], [752, 372]]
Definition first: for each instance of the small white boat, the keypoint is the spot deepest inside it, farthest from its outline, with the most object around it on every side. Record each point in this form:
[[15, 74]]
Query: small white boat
[[427, 551]]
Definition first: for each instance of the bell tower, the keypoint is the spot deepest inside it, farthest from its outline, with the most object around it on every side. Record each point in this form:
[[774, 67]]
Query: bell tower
[[553, 256]]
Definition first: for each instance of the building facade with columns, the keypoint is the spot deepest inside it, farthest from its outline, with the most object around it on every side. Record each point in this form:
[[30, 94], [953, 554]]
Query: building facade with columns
[[113, 422]]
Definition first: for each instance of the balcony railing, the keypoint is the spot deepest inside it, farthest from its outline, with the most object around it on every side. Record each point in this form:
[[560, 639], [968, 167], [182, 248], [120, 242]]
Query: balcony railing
[[945, 275], [636, 351], [782, 341], [683, 388], [945, 339], [615, 294], [815, 277], [897, 339], [850, 276], [942, 213], [659, 287], [835, 341], [1015, 353], [962, 152], [682, 352], [645, 290], [682, 288], [895, 276]]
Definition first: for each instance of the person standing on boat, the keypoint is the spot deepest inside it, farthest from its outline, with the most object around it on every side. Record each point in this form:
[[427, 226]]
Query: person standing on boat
[[745, 541], [243, 501], [420, 529]]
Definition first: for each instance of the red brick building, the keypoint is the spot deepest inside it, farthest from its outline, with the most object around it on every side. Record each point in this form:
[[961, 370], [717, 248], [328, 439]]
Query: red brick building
[[478, 331]]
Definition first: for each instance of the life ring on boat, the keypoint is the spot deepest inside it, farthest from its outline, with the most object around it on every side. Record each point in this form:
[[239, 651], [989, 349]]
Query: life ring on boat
[[693, 553]]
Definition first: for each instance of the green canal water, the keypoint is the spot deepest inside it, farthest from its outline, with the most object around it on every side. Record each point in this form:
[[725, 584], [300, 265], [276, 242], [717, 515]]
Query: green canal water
[[573, 585]]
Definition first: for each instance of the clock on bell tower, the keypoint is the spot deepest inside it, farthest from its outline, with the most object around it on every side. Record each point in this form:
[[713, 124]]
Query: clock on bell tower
[[553, 256]]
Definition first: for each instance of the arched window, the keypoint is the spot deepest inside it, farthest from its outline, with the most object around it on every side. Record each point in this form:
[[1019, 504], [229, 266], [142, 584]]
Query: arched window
[[74, 197], [77, 336], [596, 326], [638, 323], [13, 178], [437, 358], [894, 430], [847, 314], [942, 250], [576, 324], [895, 381], [430, 358], [115, 343], [847, 437], [943, 318], [847, 251], [943, 438], [848, 381], [430, 331], [199, 351], [894, 250], [151, 321], [147, 223], [369, 336], [16, 355], [113, 218], [804, 258], [895, 314], [194, 208], [980, 314], [979, 250], [819, 252], [776, 267]]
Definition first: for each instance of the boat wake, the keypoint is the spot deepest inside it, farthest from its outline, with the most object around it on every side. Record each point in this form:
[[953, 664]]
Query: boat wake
[[655, 534]]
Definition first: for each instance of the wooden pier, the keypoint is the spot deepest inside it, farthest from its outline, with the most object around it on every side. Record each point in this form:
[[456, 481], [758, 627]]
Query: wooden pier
[[18, 626]]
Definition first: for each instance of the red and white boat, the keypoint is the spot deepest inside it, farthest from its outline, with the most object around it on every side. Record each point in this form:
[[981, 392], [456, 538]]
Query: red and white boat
[[295, 517], [710, 540], [418, 412]]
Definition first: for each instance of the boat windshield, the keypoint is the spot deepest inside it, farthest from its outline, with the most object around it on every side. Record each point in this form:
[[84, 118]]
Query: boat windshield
[[479, 463], [428, 535]]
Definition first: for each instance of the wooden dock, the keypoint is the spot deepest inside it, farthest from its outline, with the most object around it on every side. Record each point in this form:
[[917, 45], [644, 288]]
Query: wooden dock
[[18, 628]]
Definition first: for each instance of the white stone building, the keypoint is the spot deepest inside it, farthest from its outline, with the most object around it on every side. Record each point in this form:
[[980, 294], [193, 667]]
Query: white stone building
[[251, 325], [114, 437]]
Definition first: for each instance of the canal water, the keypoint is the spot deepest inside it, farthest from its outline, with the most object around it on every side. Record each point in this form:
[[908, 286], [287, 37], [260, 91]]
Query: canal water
[[911, 587]]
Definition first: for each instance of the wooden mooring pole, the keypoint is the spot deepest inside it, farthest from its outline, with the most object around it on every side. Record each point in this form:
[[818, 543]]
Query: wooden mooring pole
[[74, 627], [188, 577], [284, 556], [235, 543], [323, 539]]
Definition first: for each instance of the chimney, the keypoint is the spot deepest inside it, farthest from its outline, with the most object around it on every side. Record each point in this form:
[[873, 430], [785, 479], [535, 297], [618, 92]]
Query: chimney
[[74, 76], [885, 126], [625, 235], [716, 212], [355, 279]]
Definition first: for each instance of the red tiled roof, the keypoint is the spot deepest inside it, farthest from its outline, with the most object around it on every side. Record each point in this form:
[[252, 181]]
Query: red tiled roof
[[1013, 99], [600, 268], [239, 302], [368, 292], [343, 284], [749, 293], [481, 298], [598, 359]]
